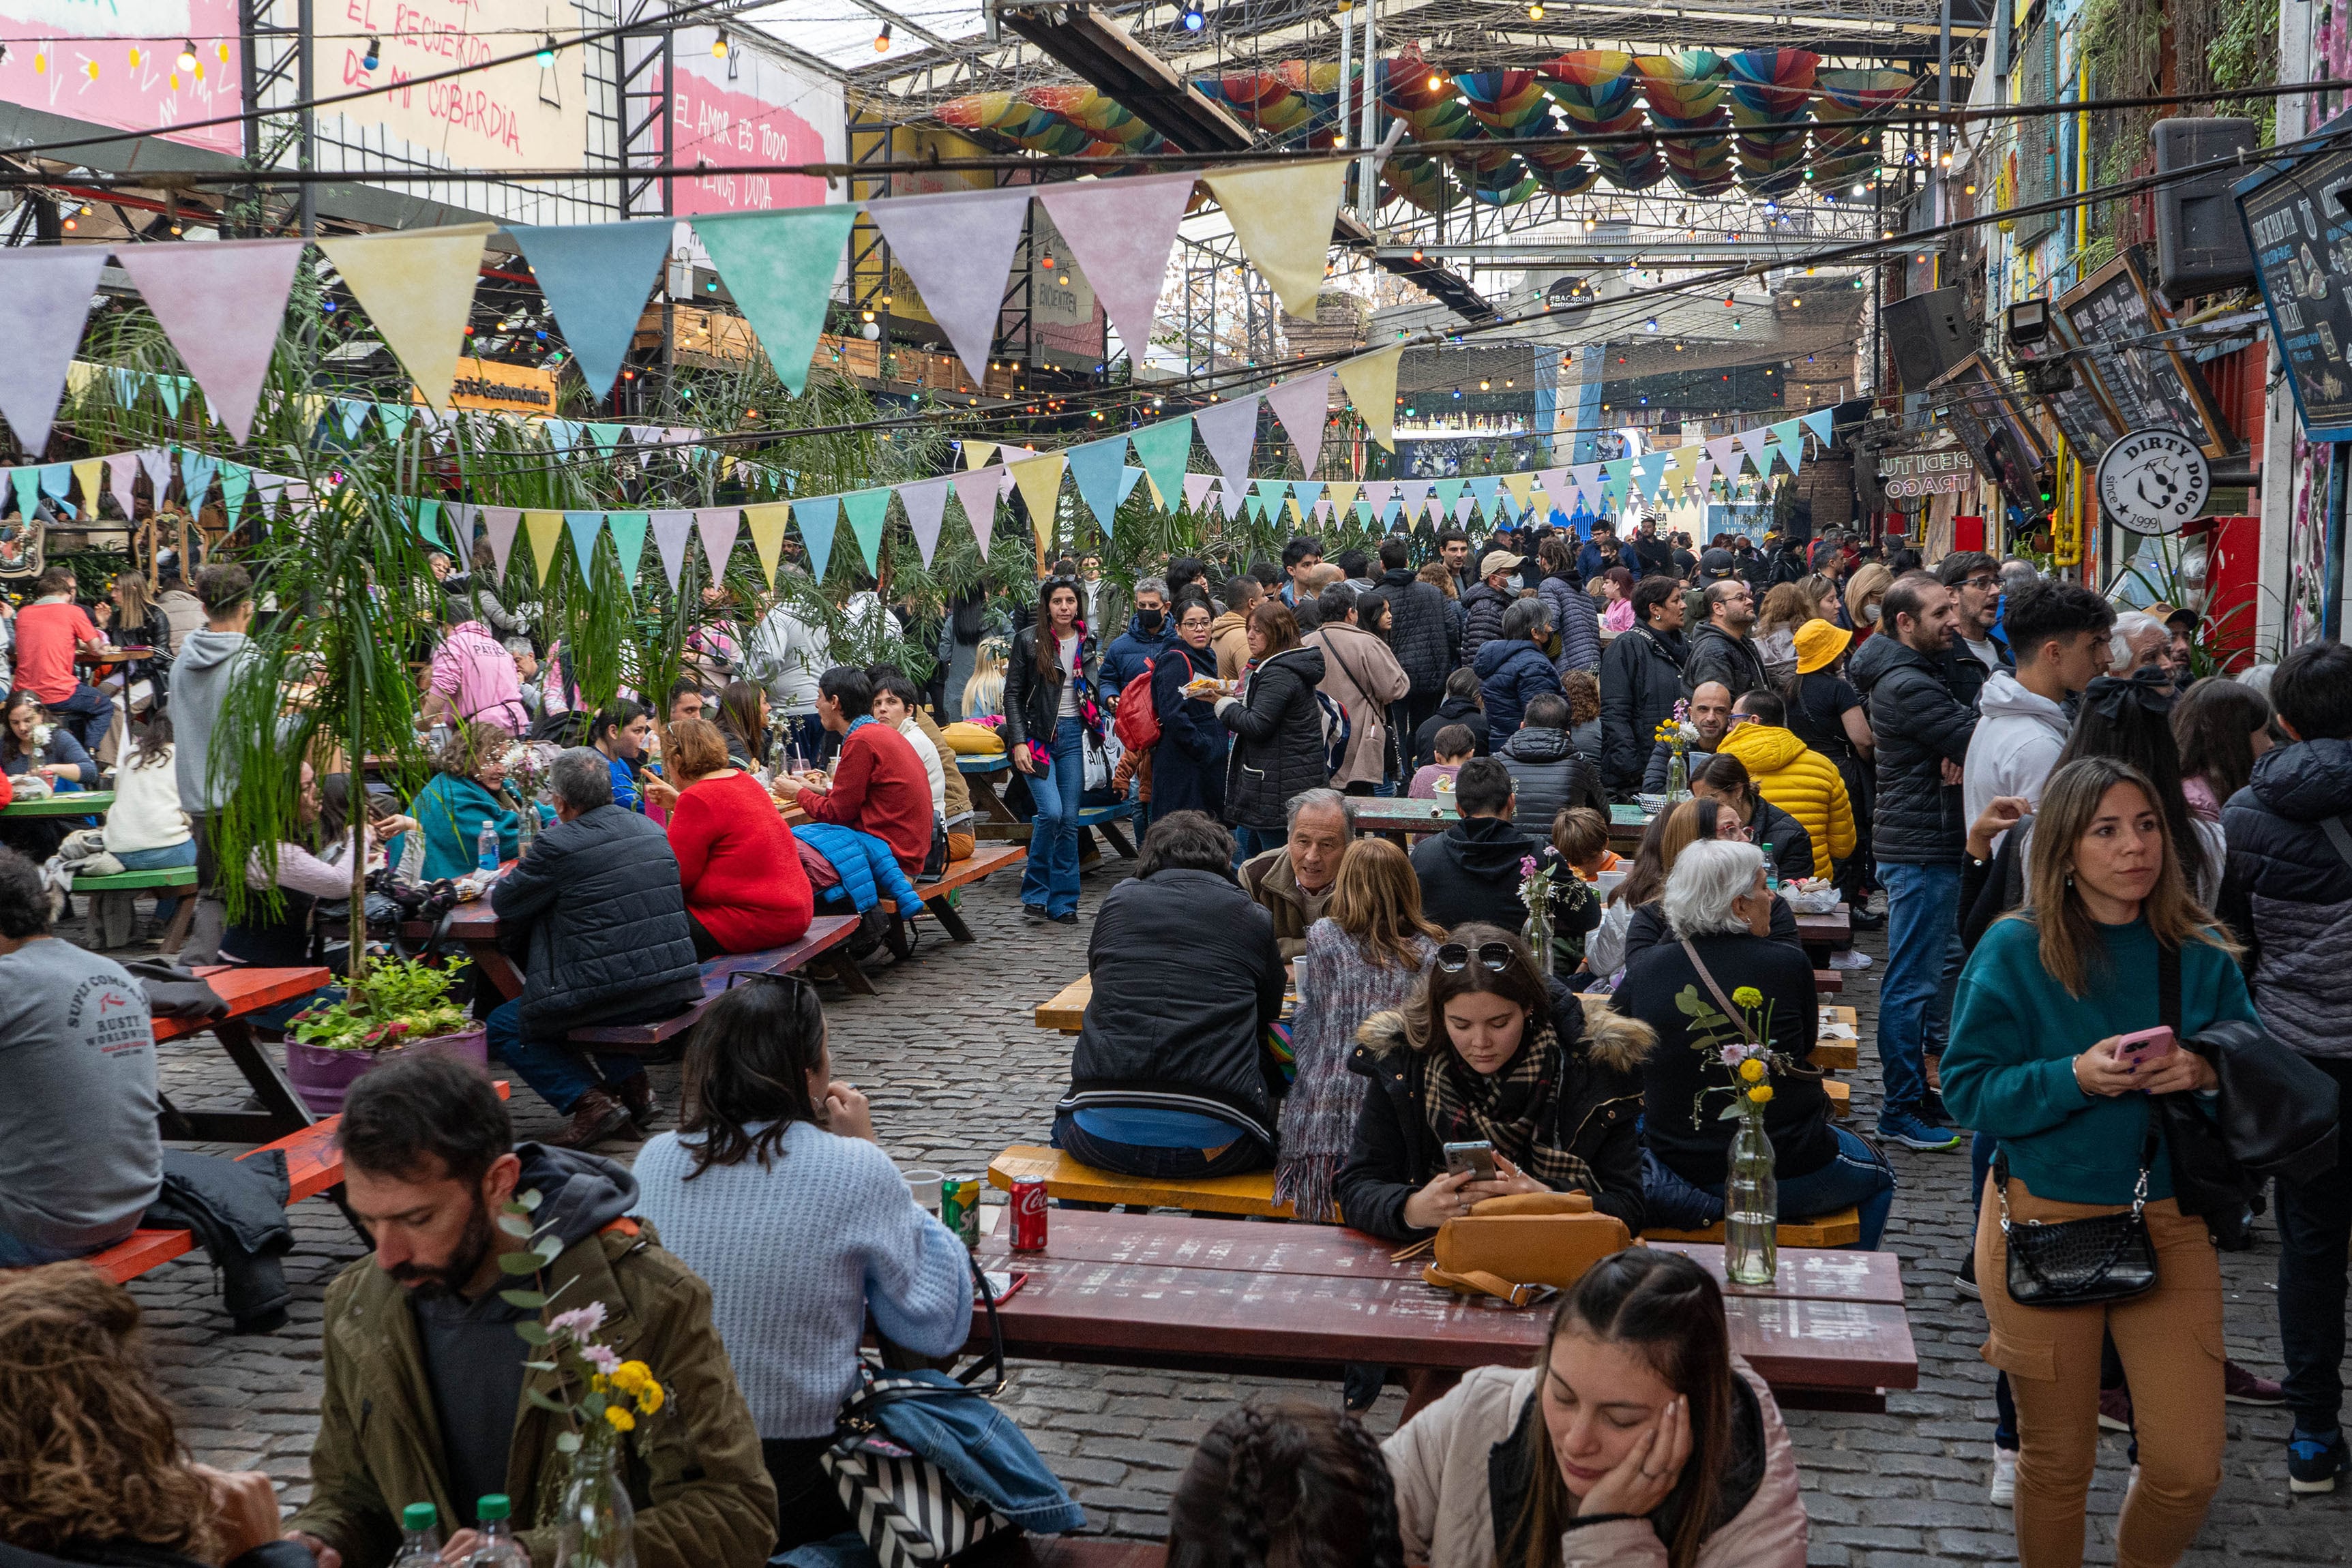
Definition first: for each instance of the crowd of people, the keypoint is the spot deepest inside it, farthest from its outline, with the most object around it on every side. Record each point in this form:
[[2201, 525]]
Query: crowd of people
[[2086, 862]]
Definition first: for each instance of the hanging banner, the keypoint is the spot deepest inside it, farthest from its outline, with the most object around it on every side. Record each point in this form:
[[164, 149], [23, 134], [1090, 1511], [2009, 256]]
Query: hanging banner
[[119, 64], [521, 115], [750, 108]]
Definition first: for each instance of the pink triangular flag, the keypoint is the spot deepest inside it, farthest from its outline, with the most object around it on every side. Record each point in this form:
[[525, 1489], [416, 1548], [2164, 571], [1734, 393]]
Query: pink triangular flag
[[1302, 406], [1414, 494], [45, 293], [1232, 495], [957, 249], [457, 522], [1196, 490], [122, 469], [1380, 493], [1322, 512], [1725, 451], [1588, 483], [158, 464], [671, 529], [1558, 488], [978, 490], [1753, 442], [221, 305], [1120, 231], [271, 488], [1461, 510], [1229, 430], [501, 522], [926, 501], [717, 526]]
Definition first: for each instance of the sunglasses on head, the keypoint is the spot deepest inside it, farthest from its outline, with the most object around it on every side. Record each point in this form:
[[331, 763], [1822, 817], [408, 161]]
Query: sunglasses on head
[[1452, 958]]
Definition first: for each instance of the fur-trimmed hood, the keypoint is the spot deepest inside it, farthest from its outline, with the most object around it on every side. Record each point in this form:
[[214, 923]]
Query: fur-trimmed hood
[[1604, 1036]]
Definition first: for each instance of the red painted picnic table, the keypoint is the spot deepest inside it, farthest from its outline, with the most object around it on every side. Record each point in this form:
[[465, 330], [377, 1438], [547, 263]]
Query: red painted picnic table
[[1301, 1300], [246, 991]]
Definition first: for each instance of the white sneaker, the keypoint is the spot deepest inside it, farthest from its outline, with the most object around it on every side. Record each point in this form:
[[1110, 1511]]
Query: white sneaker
[[2005, 1476], [1853, 959]]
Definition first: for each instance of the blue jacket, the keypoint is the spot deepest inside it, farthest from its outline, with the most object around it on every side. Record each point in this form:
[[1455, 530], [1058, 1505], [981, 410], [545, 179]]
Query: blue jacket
[[868, 868], [984, 1453], [1591, 563], [1131, 650], [1188, 765], [450, 812], [1508, 674]]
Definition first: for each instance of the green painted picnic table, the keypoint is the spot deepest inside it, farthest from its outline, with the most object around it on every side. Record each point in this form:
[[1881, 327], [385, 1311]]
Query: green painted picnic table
[[73, 803], [1397, 816]]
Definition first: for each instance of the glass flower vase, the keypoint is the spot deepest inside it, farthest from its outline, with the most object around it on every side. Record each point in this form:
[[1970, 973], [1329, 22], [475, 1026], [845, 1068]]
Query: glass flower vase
[[1677, 777], [595, 1523], [1751, 1206]]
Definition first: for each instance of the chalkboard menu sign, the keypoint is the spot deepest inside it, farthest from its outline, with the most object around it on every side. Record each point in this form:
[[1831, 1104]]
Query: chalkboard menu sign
[[2301, 236], [1999, 437], [2084, 417], [2118, 315]]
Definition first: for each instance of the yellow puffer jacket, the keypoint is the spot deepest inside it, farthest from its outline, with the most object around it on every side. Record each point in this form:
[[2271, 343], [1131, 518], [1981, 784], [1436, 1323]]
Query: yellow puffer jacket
[[1801, 782]]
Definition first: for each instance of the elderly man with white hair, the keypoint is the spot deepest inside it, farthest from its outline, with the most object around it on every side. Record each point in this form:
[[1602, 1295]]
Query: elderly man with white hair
[[1747, 985]]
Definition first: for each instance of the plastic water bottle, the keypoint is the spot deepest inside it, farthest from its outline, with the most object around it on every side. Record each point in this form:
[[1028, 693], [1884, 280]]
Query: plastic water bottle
[[1771, 870], [499, 1549], [420, 1539], [486, 846]]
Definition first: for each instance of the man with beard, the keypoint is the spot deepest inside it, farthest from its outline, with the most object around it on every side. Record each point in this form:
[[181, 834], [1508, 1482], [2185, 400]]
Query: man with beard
[[425, 1378], [1721, 650]]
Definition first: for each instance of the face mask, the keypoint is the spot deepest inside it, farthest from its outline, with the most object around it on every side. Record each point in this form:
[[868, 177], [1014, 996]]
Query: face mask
[[1870, 614], [1147, 619]]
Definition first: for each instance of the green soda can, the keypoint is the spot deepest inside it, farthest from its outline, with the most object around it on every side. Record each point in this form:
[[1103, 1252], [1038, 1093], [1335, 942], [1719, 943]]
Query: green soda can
[[960, 1208]]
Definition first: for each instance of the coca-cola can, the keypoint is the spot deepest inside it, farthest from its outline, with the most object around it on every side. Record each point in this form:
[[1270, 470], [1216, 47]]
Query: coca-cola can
[[1029, 1214]]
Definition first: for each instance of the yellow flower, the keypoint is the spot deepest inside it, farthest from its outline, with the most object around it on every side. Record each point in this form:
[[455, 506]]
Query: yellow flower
[[620, 1420], [1748, 997], [1752, 1070], [632, 1375], [649, 1398], [1762, 1094], [597, 1380]]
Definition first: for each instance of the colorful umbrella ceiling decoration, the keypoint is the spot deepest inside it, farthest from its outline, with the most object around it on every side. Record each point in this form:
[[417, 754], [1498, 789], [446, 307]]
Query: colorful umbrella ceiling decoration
[[1782, 120]]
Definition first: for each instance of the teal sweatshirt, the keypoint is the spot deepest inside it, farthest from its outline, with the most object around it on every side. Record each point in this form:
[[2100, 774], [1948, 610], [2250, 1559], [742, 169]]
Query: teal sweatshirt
[[2008, 1071]]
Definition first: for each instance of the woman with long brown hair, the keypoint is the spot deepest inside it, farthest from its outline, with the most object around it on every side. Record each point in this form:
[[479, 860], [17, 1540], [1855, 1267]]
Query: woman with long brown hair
[[92, 1469], [1637, 1437], [2110, 943], [1366, 954], [742, 720], [1278, 749], [1784, 609], [1051, 716], [2220, 727]]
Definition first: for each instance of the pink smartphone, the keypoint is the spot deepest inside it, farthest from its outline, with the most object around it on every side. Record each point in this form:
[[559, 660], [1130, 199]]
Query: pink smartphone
[[2145, 1046]]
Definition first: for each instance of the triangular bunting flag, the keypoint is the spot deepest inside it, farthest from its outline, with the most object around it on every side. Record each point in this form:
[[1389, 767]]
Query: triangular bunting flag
[[1650, 468], [157, 462], [1163, 448], [1589, 485], [767, 525], [1484, 489], [976, 453], [563, 435], [418, 288], [868, 510], [1370, 383], [1229, 430], [1303, 405], [196, 472], [221, 305], [1818, 424], [1343, 494], [1724, 452], [781, 268], [394, 417], [608, 436], [1788, 436], [355, 413], [27, 484], [1096, 468], [500, 523], [926, 501], [819, 517], [45, 294], [1756, 443], [977, 490], [1283, 213], [957, 249], [1039, 480], [1129, 478], [717, 526], [1307, 493], [1119, 233], [1231, 495], [629, 538], [1522, 487], [460, 515], [596, 278], [236, 482], [1379, 493], [1196, 490], [1620, 471], [90, 474], [1703, 474], [544, 530], [583, 528], [167, 387], [121, 472], [671, 530], [1447, 492]]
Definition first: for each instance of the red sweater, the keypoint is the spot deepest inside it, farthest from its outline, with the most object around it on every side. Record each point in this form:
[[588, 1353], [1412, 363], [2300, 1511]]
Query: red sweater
[[881, 787], [738, 865]]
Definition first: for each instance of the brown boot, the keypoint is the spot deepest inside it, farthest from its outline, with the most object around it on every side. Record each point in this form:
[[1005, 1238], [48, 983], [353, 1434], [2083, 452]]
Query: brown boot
[[637, 1097], [596, 1117]]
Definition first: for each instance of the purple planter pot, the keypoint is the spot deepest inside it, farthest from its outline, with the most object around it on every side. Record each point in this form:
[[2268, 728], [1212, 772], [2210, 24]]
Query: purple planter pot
[[322, 1077]]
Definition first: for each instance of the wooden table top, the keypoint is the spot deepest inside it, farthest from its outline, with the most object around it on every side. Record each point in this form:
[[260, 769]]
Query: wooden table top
[[1297, 1299], [70, 803], [246, 990]]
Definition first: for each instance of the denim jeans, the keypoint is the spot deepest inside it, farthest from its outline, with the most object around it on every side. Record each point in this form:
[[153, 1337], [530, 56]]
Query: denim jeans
[[167, 902], [1243, 1154], [1857, 1177], [88, 713], [1249, 842], [16, 1252], [557, 1073], [1923, 905], [1050, 879], [2315, 1221]]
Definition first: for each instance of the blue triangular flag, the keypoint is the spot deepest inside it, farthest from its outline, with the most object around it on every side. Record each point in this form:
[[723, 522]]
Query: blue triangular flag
[[196, 472], [27, 483], [608, 436], [1095, 467], [1818, 422], [597, 277], [235, 480], [585, 527], [427, 519], [1127, 480], [1652, 469], [354, 412], [1484, 489], [564, 432], [1786, 436], [168, 389], [1308, 492], [394, 418], [818, 517]]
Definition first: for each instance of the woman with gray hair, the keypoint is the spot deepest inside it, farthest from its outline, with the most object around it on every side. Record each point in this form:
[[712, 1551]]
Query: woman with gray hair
[[1745, 985]]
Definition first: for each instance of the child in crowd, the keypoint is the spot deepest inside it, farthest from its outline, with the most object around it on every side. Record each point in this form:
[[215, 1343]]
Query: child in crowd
[[1454, 745], [1580, 842], [1581, 834], [1285, 1482]]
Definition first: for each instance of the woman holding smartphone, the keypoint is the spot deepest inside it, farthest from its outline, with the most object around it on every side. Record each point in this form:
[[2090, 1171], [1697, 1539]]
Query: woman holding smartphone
[[2052, 1054]]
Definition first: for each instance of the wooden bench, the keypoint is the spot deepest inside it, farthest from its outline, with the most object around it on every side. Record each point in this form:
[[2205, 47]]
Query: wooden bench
[[114, 908], [1843, 1229], [985, 862], [1065, 1177], [1828, 983], [825, 933]]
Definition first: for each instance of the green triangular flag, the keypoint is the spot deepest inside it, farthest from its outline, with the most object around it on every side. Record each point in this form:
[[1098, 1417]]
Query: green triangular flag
[[780, 267], [869, 509], [1448, 491], [1164, 449], [629, 538], [608, 436]]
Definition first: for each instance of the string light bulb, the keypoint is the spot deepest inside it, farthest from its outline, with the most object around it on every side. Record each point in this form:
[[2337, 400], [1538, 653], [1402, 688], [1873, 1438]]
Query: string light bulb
[[882, 40], [373, 55], [719, 46], [1436, 83], [187, 60], [1195, 18], [1535, 13], [546, 51]]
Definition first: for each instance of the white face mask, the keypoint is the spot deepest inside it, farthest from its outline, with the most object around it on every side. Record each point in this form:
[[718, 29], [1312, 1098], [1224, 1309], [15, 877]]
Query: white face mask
[[1870, 614]]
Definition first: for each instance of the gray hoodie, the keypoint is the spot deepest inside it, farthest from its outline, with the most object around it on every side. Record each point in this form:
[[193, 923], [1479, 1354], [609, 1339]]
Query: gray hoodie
[[207, 665], [2016, 744]]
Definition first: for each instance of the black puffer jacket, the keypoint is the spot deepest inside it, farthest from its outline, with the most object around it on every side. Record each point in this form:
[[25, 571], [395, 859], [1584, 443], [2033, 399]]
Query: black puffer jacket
[[1186, 980], [1716, 655], [1452, 710], [1471, 872], [1640, 680], [1549, 775], [603, 921], [1482, 617], [1422, 638], [1919, 724], [2288, 894], [1278, 749], [1394, 1154], [1033, 703]]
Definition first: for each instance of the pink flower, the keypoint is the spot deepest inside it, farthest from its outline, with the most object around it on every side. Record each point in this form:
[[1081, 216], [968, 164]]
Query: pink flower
[[602, 1357], [1733, 1055], [1527, 866], [579, 1322]]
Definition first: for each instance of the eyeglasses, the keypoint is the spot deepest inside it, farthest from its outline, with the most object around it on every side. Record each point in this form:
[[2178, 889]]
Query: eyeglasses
[[1452, 958], [1980, 582]]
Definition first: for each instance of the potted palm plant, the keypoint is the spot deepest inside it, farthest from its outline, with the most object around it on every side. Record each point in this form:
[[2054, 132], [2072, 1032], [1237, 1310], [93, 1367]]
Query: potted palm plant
[[395, 1005]]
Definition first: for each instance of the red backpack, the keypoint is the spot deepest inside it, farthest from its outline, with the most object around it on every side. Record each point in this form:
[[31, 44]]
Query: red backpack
[[1136, 722]]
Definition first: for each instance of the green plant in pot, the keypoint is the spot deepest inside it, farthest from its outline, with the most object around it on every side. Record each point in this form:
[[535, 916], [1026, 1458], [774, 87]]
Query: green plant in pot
[[397, 1004]]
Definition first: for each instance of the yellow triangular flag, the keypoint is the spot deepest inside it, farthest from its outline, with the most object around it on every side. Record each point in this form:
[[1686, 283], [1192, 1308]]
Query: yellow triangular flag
[[78, 374], [1371, 387], [418, 288], [1158, 500], [1039, 480], [1343, 496], [313, 408], [1283, 213], [543, 529], [91, 473], [976, 453], [1291, 503], [1522, 487], [768, 522]]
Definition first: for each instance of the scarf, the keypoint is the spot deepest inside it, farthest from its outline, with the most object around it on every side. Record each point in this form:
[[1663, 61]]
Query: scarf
[[1516, 1110]]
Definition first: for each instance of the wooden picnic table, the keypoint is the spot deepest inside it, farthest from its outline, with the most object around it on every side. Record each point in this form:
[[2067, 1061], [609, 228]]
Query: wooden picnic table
[[1399, 818], [246, 991], [1301, 1300], [68, 803]]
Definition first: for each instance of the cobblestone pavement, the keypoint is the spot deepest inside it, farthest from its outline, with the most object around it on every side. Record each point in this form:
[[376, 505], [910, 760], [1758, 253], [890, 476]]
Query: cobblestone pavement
[[957, 1070]]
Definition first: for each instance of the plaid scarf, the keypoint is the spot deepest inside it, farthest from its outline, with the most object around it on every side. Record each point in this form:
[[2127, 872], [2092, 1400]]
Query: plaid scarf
[[1517, 1110]]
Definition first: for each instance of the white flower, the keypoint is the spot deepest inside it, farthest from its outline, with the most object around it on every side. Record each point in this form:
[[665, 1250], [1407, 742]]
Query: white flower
[[579, 1322], [602, 1357]]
